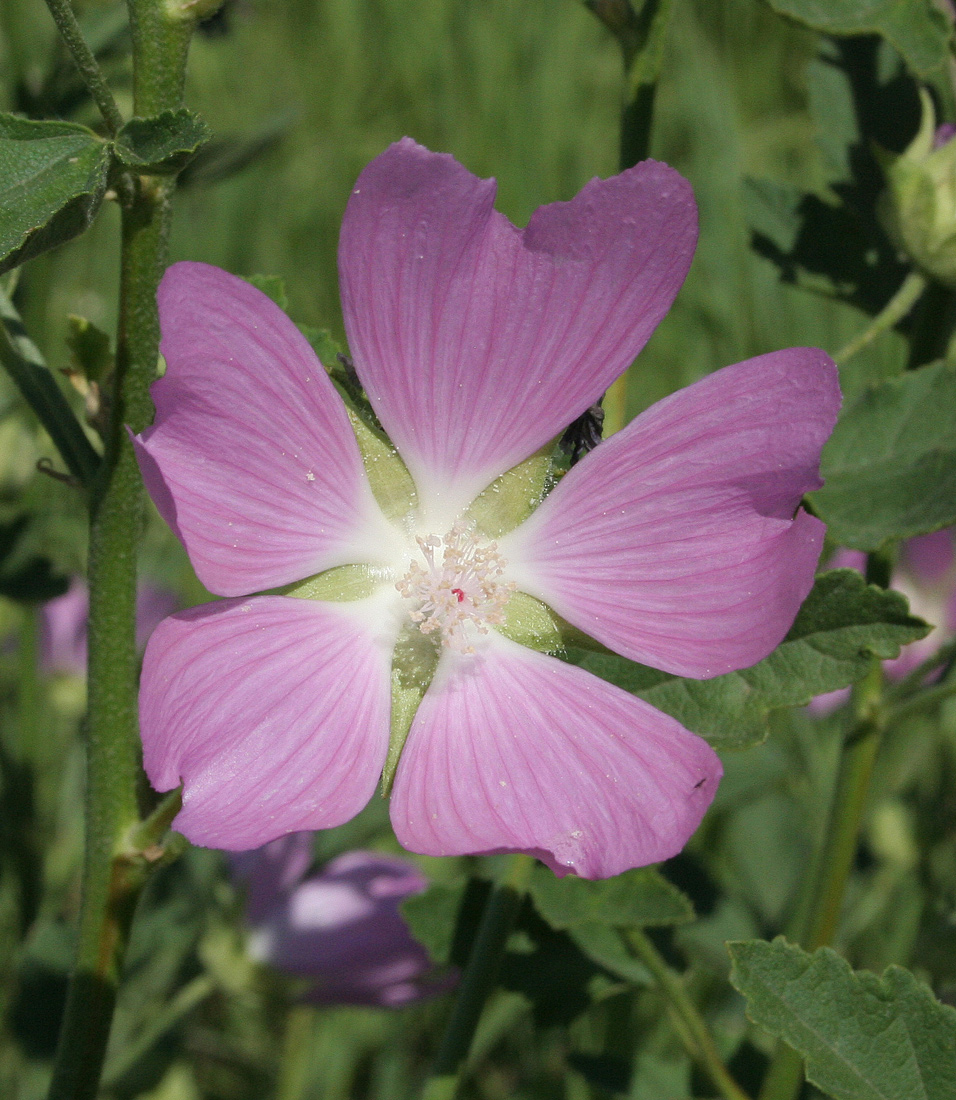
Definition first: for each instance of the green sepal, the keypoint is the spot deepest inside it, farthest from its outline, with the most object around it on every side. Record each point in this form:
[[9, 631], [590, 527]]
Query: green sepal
[[414, 662], [392, 484], [531, 623], [339, 585], [511, 498]]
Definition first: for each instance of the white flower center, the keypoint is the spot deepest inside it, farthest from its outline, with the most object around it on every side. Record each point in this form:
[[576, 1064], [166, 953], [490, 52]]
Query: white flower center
[[459, 588]]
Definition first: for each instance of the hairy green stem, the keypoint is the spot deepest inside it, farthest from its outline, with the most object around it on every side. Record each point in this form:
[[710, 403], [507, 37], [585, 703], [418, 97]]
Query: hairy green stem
[[894, 311], [701, 1046], [93, 78], [114, 871], [479, 978]]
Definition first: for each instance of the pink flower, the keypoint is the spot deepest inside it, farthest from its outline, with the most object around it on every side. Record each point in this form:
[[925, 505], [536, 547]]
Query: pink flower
[[63, 623], [926, 575], [340, 928], [679, 542]]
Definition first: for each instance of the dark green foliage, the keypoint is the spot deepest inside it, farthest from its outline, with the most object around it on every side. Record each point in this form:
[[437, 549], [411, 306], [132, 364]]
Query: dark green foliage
[[890, 466], [917, 28], [864, 1038], [52, 181]]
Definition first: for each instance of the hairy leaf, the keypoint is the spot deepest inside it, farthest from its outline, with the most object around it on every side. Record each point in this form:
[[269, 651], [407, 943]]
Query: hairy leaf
[[863, 1037], [639, 897], [52, 181], [915, 27], [890, 465]]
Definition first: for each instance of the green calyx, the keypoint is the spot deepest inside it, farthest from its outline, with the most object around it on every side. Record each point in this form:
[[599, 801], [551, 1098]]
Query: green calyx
[[918, 207]]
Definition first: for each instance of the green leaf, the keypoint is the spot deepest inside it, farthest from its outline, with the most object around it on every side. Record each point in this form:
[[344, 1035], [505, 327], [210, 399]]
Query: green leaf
[[640, 897], [52, 181], [604, 946], [890, 466], [863, 1037], [163, 143], [432, 917], [915, 27], [272, 286], [842, 624]]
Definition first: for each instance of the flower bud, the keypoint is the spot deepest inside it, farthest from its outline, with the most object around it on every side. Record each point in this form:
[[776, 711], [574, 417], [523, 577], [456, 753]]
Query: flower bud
[[918, 207], [182, 10]]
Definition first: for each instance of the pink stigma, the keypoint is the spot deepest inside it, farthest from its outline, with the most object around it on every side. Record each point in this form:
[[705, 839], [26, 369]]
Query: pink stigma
[[460, 594]]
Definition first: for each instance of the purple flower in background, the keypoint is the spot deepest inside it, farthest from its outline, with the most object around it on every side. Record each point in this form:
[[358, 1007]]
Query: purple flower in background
[[679, 542], [926, 575], [341, 928], [63, 623]]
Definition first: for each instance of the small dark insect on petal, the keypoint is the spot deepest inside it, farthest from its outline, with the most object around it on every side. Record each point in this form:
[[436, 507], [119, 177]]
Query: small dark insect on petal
[[700, 783], [583, 434]]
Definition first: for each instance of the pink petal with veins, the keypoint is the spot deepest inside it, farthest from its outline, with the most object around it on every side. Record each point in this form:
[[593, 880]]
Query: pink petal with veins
[[251, 459], [512, 750], [273, 712], [478, 342], [675, 542]]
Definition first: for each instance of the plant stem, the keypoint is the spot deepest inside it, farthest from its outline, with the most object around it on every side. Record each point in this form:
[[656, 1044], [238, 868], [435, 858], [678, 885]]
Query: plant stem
[[479, 978], [114, 871], [90, 71], [818, 918], [894, 311], [703, 1047]]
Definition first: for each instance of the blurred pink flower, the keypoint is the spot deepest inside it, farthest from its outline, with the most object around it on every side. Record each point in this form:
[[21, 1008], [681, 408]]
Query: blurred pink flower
[[341, 928], [63, 623], [679, 542], [926, 575]]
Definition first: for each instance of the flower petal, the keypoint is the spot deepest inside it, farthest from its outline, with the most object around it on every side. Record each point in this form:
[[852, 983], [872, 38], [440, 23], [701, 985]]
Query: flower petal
[[675, 542], [272, 711], [251, 459], [512, 750], [478, 342]]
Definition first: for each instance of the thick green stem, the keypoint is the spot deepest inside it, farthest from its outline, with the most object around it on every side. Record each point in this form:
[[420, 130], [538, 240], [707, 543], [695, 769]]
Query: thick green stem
[[114, 871], [819, 916], [93, 78], [702, 1046], [479, 978]]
